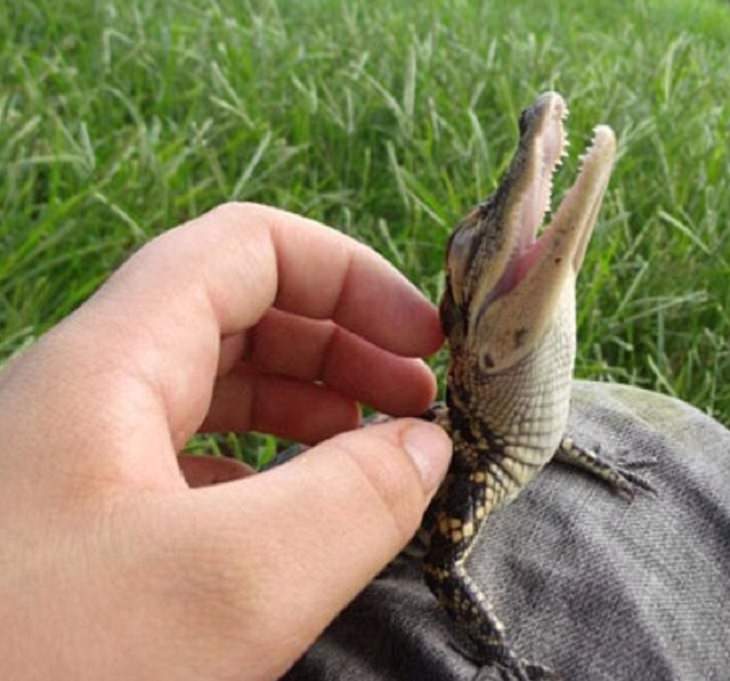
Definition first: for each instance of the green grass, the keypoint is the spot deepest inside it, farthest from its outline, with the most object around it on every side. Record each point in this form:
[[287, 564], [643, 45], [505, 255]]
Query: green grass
[[386, 119]]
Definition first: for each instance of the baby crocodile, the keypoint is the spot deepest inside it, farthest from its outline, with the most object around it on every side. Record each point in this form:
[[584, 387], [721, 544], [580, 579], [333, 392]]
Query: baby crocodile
[[509, 315]]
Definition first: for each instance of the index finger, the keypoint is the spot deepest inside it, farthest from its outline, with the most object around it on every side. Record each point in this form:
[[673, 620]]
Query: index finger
[[249, 257], [343, 280]]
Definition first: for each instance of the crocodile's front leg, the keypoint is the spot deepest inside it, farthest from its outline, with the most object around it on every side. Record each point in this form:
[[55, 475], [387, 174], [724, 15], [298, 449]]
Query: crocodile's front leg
[[621, 481]]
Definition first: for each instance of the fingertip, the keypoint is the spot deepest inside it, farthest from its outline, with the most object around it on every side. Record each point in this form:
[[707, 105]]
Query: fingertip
[[429, 447], [407, 387], [432, 335], [424, 386]]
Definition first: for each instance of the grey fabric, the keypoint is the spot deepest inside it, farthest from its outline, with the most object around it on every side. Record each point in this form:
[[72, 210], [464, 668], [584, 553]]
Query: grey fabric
[[587, 583]]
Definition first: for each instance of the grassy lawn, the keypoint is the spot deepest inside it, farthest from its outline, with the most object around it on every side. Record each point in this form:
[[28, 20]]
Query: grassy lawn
[[388, 120]]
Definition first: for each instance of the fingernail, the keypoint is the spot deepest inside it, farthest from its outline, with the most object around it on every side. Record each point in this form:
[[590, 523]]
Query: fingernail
[[429, 447]]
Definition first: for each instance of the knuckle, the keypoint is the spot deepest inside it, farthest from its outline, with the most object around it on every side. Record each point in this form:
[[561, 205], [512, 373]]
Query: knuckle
[[239, 211]]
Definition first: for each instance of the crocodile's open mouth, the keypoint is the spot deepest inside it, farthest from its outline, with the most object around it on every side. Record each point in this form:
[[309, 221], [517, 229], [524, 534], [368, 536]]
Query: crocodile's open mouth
[[528, 195], [506, 282]]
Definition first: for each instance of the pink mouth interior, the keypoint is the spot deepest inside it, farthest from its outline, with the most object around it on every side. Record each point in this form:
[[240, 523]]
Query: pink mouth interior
[[535, 203]]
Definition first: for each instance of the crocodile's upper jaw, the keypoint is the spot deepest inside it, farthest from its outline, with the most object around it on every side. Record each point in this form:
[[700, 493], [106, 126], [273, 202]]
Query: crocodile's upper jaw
[[505, 285]]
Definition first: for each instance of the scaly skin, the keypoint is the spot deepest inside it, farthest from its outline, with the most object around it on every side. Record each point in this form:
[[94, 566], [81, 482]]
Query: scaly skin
[[509, 315]]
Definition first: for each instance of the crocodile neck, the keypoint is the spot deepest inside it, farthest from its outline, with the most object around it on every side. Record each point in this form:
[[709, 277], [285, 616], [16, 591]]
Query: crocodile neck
[[509, 424]]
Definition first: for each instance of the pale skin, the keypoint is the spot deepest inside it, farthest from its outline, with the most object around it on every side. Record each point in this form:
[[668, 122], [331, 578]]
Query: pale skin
[[120, 561]]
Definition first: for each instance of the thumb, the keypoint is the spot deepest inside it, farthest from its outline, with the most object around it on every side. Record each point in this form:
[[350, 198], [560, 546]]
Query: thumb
[[292, 546]]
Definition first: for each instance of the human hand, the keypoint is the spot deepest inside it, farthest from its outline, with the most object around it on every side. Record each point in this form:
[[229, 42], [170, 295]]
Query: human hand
[[111, 566]]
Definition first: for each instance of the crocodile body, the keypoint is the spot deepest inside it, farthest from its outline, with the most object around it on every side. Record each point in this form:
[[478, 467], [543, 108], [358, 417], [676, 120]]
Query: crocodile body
[[509, 316]]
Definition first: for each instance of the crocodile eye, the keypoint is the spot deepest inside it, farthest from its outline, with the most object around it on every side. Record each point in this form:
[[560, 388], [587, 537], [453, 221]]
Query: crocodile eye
[[524, 121], [449, 313], [459, 257]]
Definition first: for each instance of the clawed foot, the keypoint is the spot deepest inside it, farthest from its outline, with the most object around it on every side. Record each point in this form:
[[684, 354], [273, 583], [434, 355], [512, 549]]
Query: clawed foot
[[634, 480], [615, 474]]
